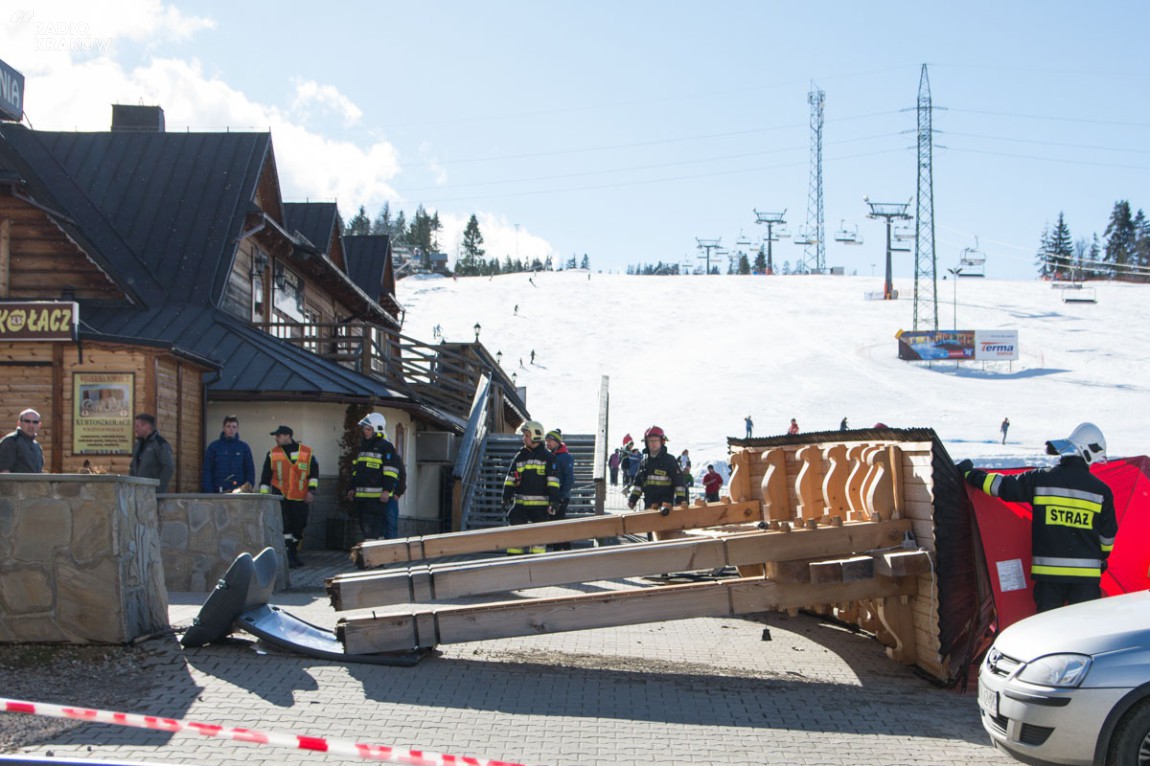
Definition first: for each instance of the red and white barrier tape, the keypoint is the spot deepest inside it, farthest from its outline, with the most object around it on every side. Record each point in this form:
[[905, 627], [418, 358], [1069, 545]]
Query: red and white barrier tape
[[276, 739]]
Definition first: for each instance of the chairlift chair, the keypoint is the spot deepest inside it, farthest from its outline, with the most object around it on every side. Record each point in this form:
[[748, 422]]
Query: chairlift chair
[[804, 238], [848, 236], [972, 261]]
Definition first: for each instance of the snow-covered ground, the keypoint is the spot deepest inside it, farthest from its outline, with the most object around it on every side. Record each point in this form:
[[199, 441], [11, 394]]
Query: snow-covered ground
[[696, 354]]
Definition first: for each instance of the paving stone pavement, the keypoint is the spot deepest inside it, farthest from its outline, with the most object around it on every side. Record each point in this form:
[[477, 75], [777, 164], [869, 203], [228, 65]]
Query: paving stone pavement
[[698, 691]]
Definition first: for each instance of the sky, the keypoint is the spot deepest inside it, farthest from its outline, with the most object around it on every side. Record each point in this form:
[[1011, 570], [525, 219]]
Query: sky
[[627, 131], [811, 348]]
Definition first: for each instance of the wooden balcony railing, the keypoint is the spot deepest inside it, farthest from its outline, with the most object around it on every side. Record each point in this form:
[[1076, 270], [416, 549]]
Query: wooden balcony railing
[[443, 374]]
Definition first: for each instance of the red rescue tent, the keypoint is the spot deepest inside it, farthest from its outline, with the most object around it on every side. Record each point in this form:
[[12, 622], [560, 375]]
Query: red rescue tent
[[1005, 532]]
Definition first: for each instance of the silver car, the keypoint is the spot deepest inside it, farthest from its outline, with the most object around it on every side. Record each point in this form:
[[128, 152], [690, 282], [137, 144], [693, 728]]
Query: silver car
[[1072, 685]]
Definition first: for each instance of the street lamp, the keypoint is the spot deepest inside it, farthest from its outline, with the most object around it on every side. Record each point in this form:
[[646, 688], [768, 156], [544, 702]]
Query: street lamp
[[499, 358], [477, 328], [954, 273]]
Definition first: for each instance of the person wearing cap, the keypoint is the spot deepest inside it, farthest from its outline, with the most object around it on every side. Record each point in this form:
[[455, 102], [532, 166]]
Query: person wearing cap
[[531, 489], [565, 469], [290, 470], [228, 462], [19, 450], [1073, 524]]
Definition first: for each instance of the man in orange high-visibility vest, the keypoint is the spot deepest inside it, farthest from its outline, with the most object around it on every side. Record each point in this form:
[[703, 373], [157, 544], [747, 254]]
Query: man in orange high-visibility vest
[[291, 470]]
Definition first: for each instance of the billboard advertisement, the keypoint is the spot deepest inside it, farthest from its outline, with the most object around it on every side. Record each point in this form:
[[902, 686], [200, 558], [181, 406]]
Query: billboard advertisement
[[930, 345], [996, 345], [970, 345]]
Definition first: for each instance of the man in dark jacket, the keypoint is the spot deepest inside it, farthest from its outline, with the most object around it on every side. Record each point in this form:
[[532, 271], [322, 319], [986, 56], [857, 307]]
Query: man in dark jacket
[[565, 470], [658, 481], [228, 462], [19, 450], [378, 480], [151, 454], [291, 471], [531, 489], [1073, 526]]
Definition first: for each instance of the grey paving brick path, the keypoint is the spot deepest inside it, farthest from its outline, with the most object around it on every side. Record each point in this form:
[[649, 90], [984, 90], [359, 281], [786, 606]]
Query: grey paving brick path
[[700, 691]]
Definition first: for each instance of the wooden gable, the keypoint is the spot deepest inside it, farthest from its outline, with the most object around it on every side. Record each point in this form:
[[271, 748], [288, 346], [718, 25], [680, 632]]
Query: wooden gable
[[39, 260]]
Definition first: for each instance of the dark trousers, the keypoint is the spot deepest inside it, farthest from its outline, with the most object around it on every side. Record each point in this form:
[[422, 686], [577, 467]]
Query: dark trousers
[[378, 520], [1051, 595], [295, 518], [560, 514]]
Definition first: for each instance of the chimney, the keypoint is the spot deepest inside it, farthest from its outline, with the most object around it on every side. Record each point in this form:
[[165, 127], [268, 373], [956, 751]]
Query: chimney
[[137, 119]]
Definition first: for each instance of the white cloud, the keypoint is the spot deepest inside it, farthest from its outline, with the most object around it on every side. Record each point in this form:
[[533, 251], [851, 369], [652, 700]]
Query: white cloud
[[309, 95], [66, 93]]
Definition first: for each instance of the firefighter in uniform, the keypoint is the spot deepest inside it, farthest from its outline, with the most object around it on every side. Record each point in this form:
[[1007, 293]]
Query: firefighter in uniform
[[531, 489], [290, 469], [1074, 525], [659, 480], [378, 480]]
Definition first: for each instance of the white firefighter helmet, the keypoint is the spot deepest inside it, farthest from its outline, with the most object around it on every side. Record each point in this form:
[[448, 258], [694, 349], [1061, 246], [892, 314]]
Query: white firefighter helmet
[[1086, 441], [376, 422], [533, 428]]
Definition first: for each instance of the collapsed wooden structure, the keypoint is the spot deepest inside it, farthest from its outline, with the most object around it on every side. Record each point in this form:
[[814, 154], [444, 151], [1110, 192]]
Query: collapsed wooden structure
[[843, 523]]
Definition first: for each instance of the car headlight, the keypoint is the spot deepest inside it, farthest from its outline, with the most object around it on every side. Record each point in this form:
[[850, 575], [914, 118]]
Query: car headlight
[[1056, 670]]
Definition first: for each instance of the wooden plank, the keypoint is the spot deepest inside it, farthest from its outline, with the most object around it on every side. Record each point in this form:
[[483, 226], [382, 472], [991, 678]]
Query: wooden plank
[[448, 581], [393, 633], [830, 571], [453, 580], [902, 563], [380, 552]]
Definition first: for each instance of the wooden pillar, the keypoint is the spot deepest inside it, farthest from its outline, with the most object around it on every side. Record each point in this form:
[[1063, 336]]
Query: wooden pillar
[[835, 481], [57, 414], [5, 257], [776, 503], [808, 482]]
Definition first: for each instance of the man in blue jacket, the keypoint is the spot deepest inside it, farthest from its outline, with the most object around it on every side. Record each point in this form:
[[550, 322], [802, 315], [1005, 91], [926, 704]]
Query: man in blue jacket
[[228, 462]]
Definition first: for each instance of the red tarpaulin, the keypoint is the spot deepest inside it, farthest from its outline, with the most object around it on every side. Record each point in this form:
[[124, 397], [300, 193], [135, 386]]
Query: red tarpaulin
[[1005, 531]]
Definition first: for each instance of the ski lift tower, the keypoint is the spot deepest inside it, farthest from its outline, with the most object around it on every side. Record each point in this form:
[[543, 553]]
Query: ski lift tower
[[889, 211], [771, 220], [708, 245]]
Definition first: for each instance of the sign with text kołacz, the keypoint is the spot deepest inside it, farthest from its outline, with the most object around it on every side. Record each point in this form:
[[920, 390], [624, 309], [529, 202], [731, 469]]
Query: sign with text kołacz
[[996, 345], [102, 413], [39, 320]]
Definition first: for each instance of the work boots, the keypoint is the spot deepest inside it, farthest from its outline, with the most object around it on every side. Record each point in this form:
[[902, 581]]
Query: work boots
[[294, 561]]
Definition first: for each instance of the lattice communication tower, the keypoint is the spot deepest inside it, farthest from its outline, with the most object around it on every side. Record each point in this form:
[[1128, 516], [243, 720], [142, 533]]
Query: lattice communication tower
[[815, 251], [925, 261]]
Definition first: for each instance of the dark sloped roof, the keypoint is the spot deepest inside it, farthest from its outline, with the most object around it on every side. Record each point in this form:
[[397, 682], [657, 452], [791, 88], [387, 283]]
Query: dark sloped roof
[[317, 221], [366, 259], [253, 361], [177, 200], [42, 181]]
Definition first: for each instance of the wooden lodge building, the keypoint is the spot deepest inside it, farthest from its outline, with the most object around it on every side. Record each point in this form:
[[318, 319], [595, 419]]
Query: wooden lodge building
[[191, 290]]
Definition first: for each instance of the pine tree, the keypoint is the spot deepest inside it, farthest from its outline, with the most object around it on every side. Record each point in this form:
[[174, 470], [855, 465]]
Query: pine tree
[[585, 263], [382, 222], [1094, 256], [1141, 242], [761, 261], [399, 229], [359, 224], [1120, 238], [1061, 249], [1042, 257], [744, 264], [470, 258]]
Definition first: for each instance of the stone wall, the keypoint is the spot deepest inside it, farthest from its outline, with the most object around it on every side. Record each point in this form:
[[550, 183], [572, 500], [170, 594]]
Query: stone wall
[[201, 536], [80, 559]]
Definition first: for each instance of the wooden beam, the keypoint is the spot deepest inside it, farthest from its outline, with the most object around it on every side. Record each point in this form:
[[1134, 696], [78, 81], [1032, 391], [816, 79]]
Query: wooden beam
[[447, 625], [5, 257], [363, 590], [377, 553]]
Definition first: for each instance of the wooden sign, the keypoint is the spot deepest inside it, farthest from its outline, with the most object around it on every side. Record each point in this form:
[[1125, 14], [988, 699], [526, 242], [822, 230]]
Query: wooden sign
[[39, 320]]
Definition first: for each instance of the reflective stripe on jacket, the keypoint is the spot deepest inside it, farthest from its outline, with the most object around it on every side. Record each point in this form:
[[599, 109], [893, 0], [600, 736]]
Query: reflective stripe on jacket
[[1074, 524], [288, 477], [377, 468]]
